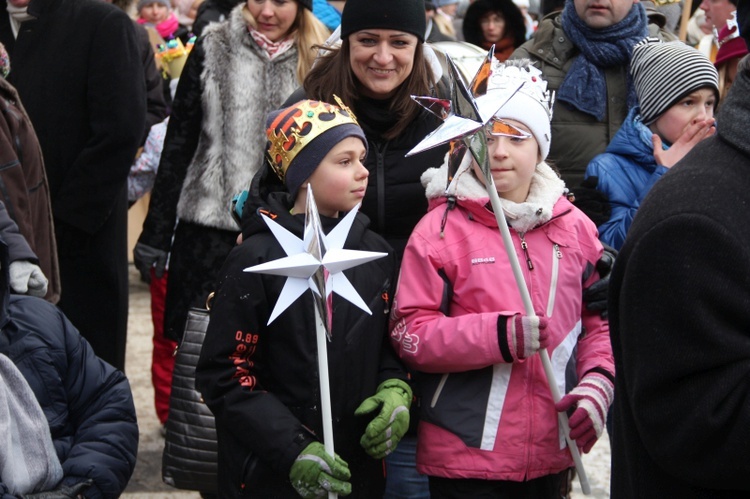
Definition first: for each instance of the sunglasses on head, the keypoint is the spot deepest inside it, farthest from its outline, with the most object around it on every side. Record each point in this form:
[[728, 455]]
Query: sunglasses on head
[[499, 127]]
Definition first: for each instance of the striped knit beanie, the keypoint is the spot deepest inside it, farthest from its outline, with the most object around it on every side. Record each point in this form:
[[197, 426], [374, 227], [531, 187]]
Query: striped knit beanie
[[665, 72]]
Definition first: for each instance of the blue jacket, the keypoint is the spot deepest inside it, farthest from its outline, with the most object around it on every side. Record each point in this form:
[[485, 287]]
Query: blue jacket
[[626, 170], [87, 402]]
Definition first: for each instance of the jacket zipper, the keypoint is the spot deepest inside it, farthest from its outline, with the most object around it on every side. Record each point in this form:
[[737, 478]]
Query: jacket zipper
[[525, 249], [556, 257]]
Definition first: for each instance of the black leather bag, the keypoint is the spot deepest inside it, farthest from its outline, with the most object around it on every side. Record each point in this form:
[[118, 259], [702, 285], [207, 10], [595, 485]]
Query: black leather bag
[[190, 453]]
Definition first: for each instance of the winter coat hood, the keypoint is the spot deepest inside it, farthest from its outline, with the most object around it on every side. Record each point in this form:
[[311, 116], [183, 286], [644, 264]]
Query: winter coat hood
[[466, 188], [633, 141]]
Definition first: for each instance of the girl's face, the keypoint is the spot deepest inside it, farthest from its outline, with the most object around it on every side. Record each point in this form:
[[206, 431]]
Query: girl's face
[[340, 180], [695, 107], [493, 26], [273, 18], [513, 162], [155, 12], [381, 60]]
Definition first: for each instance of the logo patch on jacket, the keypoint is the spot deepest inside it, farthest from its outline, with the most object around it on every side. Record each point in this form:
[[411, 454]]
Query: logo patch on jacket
[[483, 260]]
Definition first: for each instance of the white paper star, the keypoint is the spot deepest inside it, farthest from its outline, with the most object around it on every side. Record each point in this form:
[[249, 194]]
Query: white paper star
[[316, 262]]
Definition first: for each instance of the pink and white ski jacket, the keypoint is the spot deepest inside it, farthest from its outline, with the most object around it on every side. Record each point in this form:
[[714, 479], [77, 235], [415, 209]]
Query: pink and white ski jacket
[[480, 416]]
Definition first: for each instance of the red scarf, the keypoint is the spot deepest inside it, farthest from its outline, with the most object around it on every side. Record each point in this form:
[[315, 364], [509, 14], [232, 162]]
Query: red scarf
[[166, 28], [503, 49]]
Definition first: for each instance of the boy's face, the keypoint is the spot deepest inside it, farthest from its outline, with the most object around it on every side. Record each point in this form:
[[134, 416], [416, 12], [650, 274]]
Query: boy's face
[[155, 12], [697, 106], [513, 162], [340, 180]]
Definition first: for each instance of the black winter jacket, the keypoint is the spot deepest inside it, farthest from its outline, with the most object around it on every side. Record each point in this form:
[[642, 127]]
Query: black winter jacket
[[261, 381], [87, 402]]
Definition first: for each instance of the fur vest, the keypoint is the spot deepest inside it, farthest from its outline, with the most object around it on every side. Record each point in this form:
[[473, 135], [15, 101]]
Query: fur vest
[[240, 87]]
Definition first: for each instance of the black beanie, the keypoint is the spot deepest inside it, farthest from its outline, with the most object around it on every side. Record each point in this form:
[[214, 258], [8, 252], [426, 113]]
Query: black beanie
[[308, 4], [399, 15]]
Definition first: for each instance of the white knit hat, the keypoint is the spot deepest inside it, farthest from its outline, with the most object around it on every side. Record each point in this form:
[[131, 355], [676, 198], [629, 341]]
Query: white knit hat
[[531, 104], [665, 72]]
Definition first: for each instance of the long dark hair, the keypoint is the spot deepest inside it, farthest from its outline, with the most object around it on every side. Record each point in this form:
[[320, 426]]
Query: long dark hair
[[514, 22], [332, 74]]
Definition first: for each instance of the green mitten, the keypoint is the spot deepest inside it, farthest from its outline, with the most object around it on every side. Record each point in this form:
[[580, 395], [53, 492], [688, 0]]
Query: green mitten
[[393, 397], [315, 473]]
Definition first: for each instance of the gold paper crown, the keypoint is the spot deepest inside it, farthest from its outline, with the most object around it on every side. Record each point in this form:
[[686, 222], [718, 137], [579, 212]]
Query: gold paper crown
[[295, 127]]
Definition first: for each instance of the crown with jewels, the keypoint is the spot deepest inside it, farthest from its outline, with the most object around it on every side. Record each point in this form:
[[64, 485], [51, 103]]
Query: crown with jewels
[[295, 127], [511, 74]]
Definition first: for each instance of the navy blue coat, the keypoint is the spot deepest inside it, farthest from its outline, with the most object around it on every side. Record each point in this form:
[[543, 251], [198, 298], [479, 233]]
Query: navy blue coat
[[87, 402]]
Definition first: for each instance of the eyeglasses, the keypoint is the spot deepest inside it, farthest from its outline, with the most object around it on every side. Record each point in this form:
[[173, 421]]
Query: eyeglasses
[[498, 127]]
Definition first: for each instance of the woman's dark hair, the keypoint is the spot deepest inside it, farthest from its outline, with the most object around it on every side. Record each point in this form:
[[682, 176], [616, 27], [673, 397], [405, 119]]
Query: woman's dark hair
[[332, 74], [514, 22]]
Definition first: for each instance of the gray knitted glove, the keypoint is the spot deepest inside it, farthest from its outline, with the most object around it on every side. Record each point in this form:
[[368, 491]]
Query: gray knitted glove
[[27, 278]]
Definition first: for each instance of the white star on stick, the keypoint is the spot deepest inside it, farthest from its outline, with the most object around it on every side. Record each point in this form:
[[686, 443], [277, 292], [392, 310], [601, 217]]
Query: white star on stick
[[315, 262]]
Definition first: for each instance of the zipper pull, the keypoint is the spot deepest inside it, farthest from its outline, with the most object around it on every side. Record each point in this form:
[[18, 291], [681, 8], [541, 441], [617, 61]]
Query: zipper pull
[[558, 253], [525, 247]]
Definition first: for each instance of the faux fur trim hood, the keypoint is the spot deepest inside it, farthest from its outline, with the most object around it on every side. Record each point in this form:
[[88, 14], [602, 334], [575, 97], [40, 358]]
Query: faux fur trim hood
[[546, 189]]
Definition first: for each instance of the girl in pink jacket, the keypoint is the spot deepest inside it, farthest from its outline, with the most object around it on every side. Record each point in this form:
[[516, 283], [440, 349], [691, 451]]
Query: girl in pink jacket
[[488, 422]]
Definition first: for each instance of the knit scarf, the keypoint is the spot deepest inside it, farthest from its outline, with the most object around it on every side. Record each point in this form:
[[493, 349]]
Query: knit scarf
[[28, 461], [166, 28], [272, 49], [503, 49], [584, 86]]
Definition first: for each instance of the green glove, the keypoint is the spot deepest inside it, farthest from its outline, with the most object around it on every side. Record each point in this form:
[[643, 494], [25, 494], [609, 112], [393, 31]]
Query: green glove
[[315, 473], [393, 396]]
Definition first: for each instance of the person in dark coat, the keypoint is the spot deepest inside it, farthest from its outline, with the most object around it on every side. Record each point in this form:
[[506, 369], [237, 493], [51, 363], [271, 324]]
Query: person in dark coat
[[680, 321], [495, 22], [89, 120], [25, 192], [87, 404]]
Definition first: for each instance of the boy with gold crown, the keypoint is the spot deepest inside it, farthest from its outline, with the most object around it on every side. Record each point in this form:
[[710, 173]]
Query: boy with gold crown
[[489, 425], [261, 380]]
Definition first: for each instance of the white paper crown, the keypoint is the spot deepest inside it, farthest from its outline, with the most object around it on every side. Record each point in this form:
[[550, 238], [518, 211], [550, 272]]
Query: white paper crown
[[510, 74]]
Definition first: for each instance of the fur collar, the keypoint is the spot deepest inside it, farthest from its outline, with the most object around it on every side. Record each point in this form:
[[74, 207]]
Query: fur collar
[[546, 189]]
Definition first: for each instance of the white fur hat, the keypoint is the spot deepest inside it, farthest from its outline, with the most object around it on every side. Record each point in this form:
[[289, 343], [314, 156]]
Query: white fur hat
[[531, 104]]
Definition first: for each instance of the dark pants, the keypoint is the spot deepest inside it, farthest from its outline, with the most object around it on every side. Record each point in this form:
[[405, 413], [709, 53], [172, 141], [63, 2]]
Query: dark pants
[[546, 487], [94, 277]]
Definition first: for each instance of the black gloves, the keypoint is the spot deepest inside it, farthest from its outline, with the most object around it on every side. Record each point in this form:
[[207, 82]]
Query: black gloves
[[595, 296], [145, 257]]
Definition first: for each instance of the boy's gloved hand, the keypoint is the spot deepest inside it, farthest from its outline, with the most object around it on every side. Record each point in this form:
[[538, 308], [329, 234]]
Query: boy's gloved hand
[[595, 296], [526, 335], [591, 398], [27, 278], [315, 473], [393, 397], [145, 257]]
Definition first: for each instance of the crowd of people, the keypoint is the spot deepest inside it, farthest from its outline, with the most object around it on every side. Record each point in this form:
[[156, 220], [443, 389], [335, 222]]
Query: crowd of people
[[579, 256]]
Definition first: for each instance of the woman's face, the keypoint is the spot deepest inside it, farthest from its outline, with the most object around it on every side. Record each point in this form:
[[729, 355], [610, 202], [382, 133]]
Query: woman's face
[[381, 60], [273, 18], [493, 26], [155, 12]]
